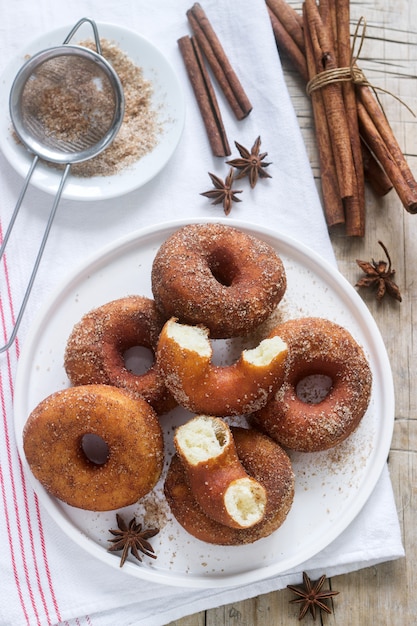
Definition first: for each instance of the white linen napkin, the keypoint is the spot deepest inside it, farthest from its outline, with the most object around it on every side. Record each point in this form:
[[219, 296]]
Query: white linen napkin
[[45, 578]]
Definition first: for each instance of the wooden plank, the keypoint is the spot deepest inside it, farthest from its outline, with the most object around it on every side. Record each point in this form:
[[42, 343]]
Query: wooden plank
[[199, 619]]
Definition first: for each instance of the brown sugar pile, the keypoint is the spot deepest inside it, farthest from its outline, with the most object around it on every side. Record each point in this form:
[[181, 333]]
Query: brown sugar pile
[[140, 129]]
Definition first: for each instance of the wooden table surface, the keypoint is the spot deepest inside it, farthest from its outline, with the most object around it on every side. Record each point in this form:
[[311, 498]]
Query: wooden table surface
[[385, 594]]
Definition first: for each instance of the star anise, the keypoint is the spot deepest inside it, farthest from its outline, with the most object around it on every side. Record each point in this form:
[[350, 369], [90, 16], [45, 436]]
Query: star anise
[[311, 596], [379, 275], [132, 537], [223, 191], [251, 163]]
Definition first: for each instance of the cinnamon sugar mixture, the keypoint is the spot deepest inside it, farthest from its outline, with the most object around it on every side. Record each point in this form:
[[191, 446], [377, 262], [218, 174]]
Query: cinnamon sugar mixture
[[140, 129], [71, 112], [70, 100]]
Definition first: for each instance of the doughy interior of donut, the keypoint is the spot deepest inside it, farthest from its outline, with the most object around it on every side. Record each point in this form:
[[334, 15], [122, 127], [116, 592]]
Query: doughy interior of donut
[[265, 352], [187, 337], [196, 339], [202, 438], [245, 501]]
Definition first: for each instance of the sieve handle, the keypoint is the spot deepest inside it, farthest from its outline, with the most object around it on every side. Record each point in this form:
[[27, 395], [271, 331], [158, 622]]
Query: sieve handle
[[95, 31], [41, 248], [17, 207]]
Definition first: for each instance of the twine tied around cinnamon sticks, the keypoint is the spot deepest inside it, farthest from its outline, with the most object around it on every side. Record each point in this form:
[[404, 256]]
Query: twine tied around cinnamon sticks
[[351, 73]]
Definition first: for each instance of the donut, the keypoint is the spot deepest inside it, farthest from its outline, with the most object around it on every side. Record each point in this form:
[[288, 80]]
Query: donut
[[217, 478], [219, 276], [264, 460], [59, 432], [317, 347], [96, 347], [184, 356]]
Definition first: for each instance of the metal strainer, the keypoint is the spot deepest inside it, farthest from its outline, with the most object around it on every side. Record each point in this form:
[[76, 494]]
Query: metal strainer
[[66, 106]]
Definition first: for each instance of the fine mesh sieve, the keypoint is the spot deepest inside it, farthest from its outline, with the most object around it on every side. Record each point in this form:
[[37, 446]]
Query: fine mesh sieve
[[66, 105]]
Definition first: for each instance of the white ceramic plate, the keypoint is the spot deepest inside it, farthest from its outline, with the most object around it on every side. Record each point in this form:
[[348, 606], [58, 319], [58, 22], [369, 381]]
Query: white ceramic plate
[[167, 99], [331, 487]]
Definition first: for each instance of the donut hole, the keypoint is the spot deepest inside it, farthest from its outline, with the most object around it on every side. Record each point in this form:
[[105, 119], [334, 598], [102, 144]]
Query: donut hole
[[314, 388], [138, 359], [223, 267], [95, 449]]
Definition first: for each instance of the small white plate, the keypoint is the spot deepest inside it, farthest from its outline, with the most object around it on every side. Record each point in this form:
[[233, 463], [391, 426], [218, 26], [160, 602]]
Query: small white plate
[[167, 100], [331, 487]]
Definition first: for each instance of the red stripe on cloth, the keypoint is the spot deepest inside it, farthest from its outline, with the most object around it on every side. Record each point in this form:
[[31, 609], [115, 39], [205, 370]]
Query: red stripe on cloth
[[34, 555], [10, 301], [14, 503], [45, 559], [11, 459], [10, 539]]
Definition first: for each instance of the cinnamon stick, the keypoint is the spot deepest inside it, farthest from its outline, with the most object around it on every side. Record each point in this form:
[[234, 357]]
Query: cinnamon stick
[[219, 62], [355, 206], [288, 46], [377, 144], [205, 96], [291, 21], [332, 202], [333, 100], [384, 129], [373, 172], [327, 12]]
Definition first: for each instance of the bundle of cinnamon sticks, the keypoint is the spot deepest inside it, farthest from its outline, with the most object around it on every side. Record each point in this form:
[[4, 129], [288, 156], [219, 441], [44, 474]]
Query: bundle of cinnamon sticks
[[204, 45], [354, 139]]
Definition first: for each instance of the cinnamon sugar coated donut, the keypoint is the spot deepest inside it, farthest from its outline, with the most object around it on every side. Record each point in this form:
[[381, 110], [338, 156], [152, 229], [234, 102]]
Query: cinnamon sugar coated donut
[[219, 276], [266, 462], [54, 441], [184, 356], [95, 349], [317, 346]]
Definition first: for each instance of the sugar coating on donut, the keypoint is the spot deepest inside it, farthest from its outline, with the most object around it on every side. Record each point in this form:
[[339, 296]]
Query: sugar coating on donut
[[95, 350], [317, 346], [53, 437], [219, 276]]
